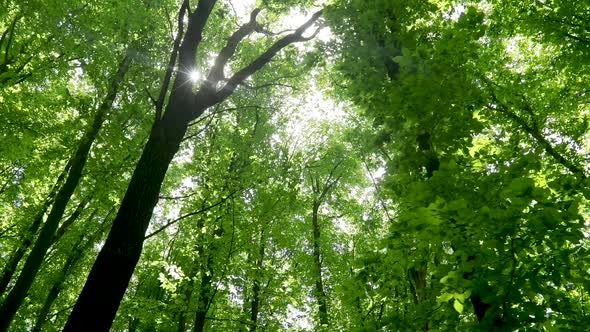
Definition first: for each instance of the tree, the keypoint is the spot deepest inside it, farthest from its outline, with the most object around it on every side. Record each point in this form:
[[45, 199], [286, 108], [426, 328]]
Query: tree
[[413, 166], [124, 243]]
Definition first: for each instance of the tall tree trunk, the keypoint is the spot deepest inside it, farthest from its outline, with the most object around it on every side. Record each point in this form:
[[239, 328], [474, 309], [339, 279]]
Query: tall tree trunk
[[30, 233], [114, 265], [99, 300], [188, 287], [33, 263], [255, 302], [108, 279], [187, 293], [205, 297], [73, 217], [206, 290], [252, 302], [319, 291], [78, 251]]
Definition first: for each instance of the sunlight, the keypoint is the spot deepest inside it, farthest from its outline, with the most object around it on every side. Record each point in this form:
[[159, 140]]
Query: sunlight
[[194, 76]]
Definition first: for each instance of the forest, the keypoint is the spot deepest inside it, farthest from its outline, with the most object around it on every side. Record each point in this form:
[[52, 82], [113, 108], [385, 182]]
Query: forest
[[294, 165]]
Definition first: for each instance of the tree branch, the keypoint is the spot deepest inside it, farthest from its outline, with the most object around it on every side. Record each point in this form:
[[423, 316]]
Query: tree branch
[[187, 51], [159, 103], [174, 221], [536, 134], [216, 72], [265, 58]]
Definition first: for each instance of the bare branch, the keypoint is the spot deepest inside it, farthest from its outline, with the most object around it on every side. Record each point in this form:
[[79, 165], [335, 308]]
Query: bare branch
[[159, 104], [264, 58], [267, 85], [174, 221], [154, 101], [207, 125], [216, 72]]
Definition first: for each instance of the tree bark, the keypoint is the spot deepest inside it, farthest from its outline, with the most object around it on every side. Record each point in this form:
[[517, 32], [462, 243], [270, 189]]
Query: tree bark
[[205, 297], [206, 290], [252, 302], [78, 249], [35, 259]]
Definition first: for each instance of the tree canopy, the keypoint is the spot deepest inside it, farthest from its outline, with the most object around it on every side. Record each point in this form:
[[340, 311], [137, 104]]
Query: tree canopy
[[300, 165]]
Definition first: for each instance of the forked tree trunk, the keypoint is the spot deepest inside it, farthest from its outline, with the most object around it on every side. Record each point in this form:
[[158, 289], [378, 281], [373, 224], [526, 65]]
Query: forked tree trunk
[[106, 284], [44, 240]]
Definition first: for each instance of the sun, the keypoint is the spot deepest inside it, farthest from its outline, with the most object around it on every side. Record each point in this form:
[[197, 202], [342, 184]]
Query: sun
[[194, 75]]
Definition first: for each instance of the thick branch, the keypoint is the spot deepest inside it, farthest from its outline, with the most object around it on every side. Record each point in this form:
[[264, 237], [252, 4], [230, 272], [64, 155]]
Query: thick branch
[[330, 181], [10, 32], [191, 41], [265, 58], [216, 72]]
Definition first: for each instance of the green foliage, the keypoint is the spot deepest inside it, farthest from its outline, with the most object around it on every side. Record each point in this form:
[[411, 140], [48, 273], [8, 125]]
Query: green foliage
[[450, 189]]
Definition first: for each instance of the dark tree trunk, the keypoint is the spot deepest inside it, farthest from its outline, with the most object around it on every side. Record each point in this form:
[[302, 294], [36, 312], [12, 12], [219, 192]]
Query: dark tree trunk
[[108, 279], [188, 287], [206, 289], [33, 263], [252, 302], [255, 303], [187, 292], [319, 291], [72, 218], [78, 251], [30, 233], [18, 254], [98, 303], [205, 296]]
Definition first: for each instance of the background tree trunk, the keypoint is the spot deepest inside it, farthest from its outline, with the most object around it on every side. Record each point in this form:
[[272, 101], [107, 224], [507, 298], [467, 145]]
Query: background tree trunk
[[35, 259]]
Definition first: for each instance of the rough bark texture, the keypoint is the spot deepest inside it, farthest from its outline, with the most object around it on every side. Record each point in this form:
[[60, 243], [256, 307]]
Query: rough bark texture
[[98, 303], [35, 259]]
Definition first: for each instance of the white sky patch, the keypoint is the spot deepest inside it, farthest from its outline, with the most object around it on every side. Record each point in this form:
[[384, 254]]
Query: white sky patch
[[455, 12], [243, 8], [310, 116], [291, 21], [298, 319], [344, 226], [379, 173]]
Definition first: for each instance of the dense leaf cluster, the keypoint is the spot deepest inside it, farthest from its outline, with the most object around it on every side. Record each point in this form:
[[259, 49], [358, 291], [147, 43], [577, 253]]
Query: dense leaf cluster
[[382, 165]]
